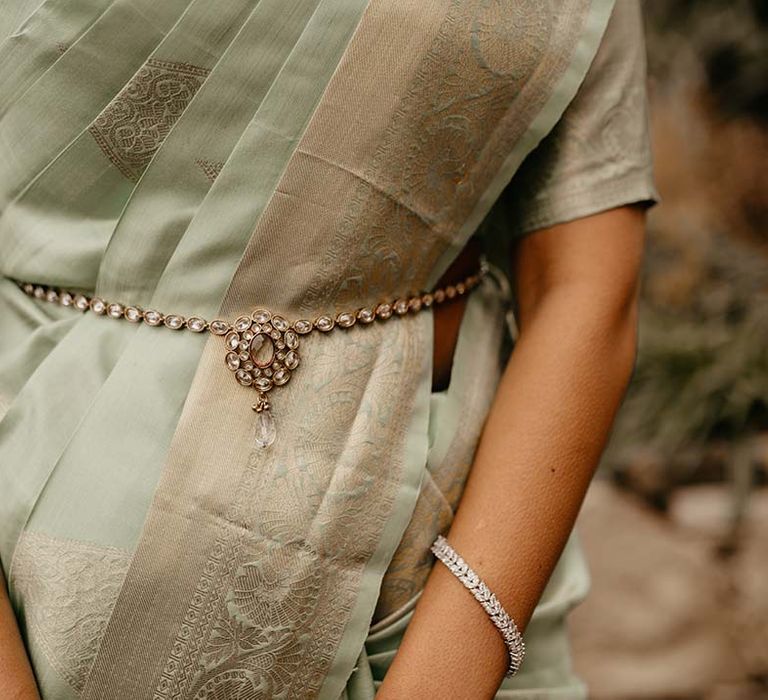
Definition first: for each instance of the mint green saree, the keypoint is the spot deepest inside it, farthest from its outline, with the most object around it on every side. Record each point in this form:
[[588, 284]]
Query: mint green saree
[[306, 156]]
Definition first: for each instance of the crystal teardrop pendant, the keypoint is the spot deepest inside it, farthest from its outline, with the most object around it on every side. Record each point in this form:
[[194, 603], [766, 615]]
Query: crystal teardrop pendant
[[264, 431]]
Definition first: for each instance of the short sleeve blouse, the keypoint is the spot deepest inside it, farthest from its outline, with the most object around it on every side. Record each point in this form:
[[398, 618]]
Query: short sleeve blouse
[[598, 156]]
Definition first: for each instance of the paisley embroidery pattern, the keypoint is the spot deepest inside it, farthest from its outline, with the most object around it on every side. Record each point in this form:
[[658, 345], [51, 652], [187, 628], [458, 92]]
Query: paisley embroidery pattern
[[69, 589], [444, 144], [511, 43], [133, 126]]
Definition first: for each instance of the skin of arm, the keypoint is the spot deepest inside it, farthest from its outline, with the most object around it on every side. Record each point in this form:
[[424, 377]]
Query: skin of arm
[[576, 290], [16, 679]]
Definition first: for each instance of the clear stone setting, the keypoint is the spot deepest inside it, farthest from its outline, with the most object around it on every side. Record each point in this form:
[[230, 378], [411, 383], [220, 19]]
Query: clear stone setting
[[153, 318], [261, 316], [346, 319], [232, 340], [132, 314], [219, 327], [196, 324], [233, 361], [302, 326], [98, 306], [174, 322], [244, 377], [280, 323], [366, 315], [115, 310], [291, 339], [243, 323]]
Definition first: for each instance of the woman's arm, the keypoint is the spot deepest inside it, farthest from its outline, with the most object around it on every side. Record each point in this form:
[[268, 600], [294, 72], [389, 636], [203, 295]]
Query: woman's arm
[[576, 287], [16, 679]]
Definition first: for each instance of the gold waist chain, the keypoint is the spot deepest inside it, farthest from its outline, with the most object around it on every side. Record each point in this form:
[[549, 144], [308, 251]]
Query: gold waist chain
[[261, 349]]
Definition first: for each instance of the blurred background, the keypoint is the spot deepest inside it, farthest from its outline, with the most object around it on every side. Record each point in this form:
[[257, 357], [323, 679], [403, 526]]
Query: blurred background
[[675, 526]]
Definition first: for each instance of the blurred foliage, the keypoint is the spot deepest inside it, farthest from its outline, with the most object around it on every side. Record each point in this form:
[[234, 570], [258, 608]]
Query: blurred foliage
[[697, 409], [727, 41]]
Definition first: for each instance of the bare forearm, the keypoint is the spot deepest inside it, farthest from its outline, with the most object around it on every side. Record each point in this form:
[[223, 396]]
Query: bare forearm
[[16, 679], [541, 442]]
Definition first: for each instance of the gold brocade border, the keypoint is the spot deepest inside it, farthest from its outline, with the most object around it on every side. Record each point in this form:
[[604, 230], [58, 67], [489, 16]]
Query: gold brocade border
[[251, 564]]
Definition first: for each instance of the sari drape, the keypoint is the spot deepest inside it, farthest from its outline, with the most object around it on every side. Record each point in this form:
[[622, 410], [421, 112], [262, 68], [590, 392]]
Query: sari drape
[[206, 158]]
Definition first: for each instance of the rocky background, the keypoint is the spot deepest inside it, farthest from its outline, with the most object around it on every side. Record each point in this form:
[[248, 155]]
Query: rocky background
[[676, 524]]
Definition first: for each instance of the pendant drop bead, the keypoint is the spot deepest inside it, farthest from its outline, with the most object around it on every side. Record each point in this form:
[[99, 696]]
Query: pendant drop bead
[[264, 431]]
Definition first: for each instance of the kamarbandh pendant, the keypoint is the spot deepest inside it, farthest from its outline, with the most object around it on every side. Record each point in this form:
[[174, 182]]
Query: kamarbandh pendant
[[262, 351]]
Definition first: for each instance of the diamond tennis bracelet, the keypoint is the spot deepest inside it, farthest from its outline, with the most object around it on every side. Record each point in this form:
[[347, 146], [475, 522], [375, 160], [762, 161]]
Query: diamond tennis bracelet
[[262, 349], [504, 623]]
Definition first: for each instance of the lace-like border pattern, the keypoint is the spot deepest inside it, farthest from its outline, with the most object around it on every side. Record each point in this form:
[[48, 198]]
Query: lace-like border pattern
[[68, 588], [135, 123]]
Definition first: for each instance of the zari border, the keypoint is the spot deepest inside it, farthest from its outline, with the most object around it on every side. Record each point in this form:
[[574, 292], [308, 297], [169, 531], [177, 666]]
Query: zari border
[[594, 26], [562, 94]]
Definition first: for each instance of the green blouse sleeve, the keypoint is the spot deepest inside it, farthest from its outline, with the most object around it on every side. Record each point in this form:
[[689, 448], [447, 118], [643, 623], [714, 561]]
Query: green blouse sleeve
[[598, 156]]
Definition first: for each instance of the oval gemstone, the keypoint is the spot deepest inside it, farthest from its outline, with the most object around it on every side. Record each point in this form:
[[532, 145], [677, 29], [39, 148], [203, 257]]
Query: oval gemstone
[[261, 315], [196, 324], [174, 322], [302, 326], [280, 323], [245, 378], [281, 376], [366, 315], [263, 383], [233, 362], [219, 327], [133, 314], [345, 319], [401, 306], [291, 339], [291, 360], [232, 341], [243, 323], [262, 350]]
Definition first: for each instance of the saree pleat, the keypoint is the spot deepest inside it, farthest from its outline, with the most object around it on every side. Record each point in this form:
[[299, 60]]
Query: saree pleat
[[307, 156], [196, 43], [47, 34], [77, 87]]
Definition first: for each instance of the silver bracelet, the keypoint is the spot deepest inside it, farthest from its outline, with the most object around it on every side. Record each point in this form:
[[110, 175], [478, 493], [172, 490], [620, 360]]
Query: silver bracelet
[[504, 623]]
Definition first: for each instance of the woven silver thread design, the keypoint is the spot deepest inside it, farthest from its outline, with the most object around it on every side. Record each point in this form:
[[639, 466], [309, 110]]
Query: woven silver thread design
[[503, 622]]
